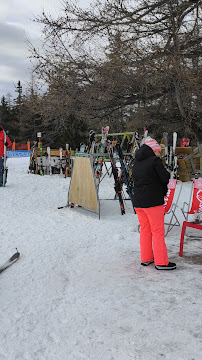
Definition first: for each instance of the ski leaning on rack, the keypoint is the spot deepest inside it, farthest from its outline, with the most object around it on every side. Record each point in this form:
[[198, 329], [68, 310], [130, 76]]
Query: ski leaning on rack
[[145, 134], [117, 180], [165, 140], [41, 159], [125, 173], [10, 261], [91, 144], [173, 158], [32, 163], [170, 156], [100, 160]]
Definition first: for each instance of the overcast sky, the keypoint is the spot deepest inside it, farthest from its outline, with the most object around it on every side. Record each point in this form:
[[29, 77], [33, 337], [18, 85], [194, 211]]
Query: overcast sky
[[15, 26]]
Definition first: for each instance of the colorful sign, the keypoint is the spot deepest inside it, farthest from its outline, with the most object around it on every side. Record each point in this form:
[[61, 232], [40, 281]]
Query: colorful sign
[[18, 153]]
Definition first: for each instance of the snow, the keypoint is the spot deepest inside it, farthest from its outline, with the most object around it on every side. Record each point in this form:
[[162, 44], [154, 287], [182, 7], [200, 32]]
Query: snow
[[78, 291]]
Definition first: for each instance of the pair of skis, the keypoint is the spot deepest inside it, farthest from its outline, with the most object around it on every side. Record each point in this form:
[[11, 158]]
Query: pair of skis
[[32, 163], [170, 156], [122, 178], [125, 173], [118, 184]]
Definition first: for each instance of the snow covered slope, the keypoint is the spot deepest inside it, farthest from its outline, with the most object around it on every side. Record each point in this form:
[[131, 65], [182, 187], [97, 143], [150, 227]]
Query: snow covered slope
[[78, 291]]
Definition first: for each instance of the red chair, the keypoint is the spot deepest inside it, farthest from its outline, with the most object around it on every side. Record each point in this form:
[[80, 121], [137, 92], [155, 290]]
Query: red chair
[[196, 209], [169, 206]]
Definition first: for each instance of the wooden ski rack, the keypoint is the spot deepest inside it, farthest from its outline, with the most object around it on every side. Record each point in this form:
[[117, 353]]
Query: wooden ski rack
[[56, 163]]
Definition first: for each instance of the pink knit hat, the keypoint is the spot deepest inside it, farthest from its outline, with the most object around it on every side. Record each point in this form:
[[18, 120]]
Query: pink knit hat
[[152, 143]]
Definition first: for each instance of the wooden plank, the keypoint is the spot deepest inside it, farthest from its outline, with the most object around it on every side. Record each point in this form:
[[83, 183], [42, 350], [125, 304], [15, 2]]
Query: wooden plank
[[117, 134], [82, 190], [182, 171], [184, 150], [54, 152]]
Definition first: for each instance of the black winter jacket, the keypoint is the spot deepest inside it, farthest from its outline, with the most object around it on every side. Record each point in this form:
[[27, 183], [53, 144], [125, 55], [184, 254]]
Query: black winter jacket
[[150, 179]]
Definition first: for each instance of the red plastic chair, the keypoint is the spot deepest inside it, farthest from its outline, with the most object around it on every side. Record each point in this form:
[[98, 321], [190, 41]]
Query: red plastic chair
[[169, 206], [196, 208]]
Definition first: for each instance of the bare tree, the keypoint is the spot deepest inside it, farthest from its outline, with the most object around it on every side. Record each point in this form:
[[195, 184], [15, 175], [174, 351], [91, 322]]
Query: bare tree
[[127, 59]]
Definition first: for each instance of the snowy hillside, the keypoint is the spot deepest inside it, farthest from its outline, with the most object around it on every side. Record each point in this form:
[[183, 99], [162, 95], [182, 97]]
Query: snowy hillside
[[78, 291]]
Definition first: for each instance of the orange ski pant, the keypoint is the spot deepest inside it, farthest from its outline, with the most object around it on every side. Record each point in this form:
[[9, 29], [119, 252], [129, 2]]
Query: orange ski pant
[[152, 235]]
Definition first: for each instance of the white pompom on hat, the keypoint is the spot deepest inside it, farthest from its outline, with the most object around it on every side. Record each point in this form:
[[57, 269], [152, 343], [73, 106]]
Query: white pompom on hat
[[152, 143]]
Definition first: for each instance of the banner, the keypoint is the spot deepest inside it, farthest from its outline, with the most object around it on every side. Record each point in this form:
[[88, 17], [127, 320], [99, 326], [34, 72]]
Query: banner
[[168, 199], [197, 197], [18, 153]]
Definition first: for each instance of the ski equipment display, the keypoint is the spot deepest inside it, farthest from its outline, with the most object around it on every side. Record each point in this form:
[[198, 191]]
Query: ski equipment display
[[10, 261]]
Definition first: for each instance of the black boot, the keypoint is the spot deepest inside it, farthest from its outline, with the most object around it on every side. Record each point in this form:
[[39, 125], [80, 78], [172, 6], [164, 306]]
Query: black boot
[[170, 266], [146, 263]]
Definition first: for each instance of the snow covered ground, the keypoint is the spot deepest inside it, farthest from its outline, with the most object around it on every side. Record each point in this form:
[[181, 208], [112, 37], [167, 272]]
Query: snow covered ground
[[78, 291]]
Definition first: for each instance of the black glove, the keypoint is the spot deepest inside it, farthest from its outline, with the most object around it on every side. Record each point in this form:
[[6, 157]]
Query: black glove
[[6, 143]]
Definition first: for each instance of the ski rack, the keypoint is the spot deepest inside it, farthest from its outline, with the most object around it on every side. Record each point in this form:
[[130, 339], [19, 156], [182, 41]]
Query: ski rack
[[130, 136], [49, 161], [73, 198], [191, 158]]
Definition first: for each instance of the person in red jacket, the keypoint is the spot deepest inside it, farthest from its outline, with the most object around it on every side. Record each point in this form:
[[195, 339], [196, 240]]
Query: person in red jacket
[[8, 143]]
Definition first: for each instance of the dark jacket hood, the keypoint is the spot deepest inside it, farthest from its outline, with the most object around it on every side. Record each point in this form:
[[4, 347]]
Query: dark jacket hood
[[144, 152]]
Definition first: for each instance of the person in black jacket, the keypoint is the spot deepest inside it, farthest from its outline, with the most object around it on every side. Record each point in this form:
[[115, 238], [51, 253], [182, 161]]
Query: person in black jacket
[[150, 186]]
